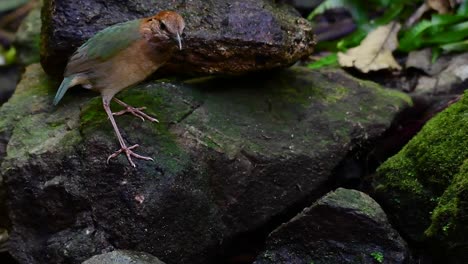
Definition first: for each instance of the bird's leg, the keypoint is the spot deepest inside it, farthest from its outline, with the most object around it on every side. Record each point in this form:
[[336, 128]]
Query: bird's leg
[[123, 148], [134, 111]]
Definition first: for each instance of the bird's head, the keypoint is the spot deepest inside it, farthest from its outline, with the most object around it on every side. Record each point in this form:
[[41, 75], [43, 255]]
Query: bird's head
[[167, 25]]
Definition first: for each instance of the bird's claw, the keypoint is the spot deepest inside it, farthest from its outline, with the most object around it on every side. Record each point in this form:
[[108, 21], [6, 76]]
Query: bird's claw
[[129, 153], [136, 112]]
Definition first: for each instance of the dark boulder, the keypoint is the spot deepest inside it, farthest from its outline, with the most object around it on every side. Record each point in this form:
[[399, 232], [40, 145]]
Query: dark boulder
[[230, 155], [344, 226], [227, 37]]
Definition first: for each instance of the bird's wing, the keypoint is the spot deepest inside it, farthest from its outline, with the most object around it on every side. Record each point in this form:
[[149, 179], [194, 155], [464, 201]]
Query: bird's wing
[[102, 46]]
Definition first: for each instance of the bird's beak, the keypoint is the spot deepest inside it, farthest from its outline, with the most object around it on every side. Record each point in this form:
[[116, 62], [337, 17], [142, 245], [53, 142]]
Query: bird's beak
[[179, 40]]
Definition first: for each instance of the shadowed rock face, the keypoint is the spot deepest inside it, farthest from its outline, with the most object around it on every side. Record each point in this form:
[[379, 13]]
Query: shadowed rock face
[[228, 37], [344, 226], [230, 155]]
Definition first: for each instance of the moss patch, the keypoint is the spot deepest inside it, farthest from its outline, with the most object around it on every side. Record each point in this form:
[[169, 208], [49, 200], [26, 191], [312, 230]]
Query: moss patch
[[31, 125], [273, 110], [450, 217], [428, 177], [161, 101]]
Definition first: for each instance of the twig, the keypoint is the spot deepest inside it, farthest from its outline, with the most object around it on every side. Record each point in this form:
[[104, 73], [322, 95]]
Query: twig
[[417, 15], [8, 36], [19, 12]]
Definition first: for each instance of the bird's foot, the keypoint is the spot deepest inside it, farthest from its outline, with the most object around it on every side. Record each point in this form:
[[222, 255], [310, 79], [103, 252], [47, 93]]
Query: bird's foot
[[134, 111], [128, 151]]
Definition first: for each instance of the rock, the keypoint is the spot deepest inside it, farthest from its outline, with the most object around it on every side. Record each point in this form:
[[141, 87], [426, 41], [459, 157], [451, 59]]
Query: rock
[[124, 257], [344, 226], [445, 76], [9, 77], [304, 6], [424, 187], [230, 154], [228, 37], [3, 236], [28, 37]]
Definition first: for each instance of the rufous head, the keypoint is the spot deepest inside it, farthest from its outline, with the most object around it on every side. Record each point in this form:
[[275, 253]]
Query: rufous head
[[167, 25]]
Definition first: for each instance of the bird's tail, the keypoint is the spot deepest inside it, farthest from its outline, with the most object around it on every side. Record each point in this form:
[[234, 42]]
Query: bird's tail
[[66, 83]]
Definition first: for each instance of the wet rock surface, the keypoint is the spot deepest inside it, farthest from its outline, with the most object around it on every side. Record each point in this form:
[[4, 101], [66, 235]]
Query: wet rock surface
[[228, 37], [344, 226], [123, 257], [230, 154]]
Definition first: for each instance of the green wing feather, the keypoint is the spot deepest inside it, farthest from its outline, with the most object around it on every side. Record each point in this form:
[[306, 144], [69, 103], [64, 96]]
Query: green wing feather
[[113, 39], [102, 46]]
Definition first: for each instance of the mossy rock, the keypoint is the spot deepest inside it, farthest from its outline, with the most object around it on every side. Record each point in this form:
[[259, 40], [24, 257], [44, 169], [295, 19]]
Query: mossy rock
[[344, 226], [28, 37], [123, 257], [424, 186], [230, 155]]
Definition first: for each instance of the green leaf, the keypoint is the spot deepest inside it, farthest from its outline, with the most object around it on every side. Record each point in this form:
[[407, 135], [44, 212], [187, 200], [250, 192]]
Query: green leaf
[[393, 11], [412, 39], [329, 60], [7, 57], [378, 256], [463, 8], [358, 9], [7, 5], [435, 54], [447, 19], [352, 40], [10, 56], [460, 46], [451, 34]]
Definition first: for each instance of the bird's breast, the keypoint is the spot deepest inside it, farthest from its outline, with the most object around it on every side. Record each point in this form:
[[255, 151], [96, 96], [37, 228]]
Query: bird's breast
[[128, 67]]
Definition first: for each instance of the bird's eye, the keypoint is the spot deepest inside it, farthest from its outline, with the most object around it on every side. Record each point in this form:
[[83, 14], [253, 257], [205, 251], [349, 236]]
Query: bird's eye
[[162, 26]]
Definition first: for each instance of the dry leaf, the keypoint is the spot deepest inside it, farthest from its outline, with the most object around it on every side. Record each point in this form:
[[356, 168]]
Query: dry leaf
[[441, 6], [375, 51]]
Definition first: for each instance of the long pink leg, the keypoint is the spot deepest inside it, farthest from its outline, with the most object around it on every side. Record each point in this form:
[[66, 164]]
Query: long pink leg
[[134, 111], [123, 148]]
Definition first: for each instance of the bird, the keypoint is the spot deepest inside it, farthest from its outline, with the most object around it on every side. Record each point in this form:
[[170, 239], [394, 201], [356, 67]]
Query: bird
[[120, 56]]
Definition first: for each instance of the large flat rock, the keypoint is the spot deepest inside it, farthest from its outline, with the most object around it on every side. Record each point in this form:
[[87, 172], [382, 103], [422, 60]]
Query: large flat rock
[[230, 155], [221, 36]]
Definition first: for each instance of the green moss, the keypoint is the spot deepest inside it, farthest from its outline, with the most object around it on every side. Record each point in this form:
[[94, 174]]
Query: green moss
[[450, 217], [155, 139], [429, 176], [34, 84], [92, 114], [378, 256], [28, 37], [397, 94], [32, 126], [276, 107], [399, 176]]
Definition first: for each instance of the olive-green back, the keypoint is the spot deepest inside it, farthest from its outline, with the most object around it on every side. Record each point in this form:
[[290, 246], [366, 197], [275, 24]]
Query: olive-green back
[[104, 45]]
